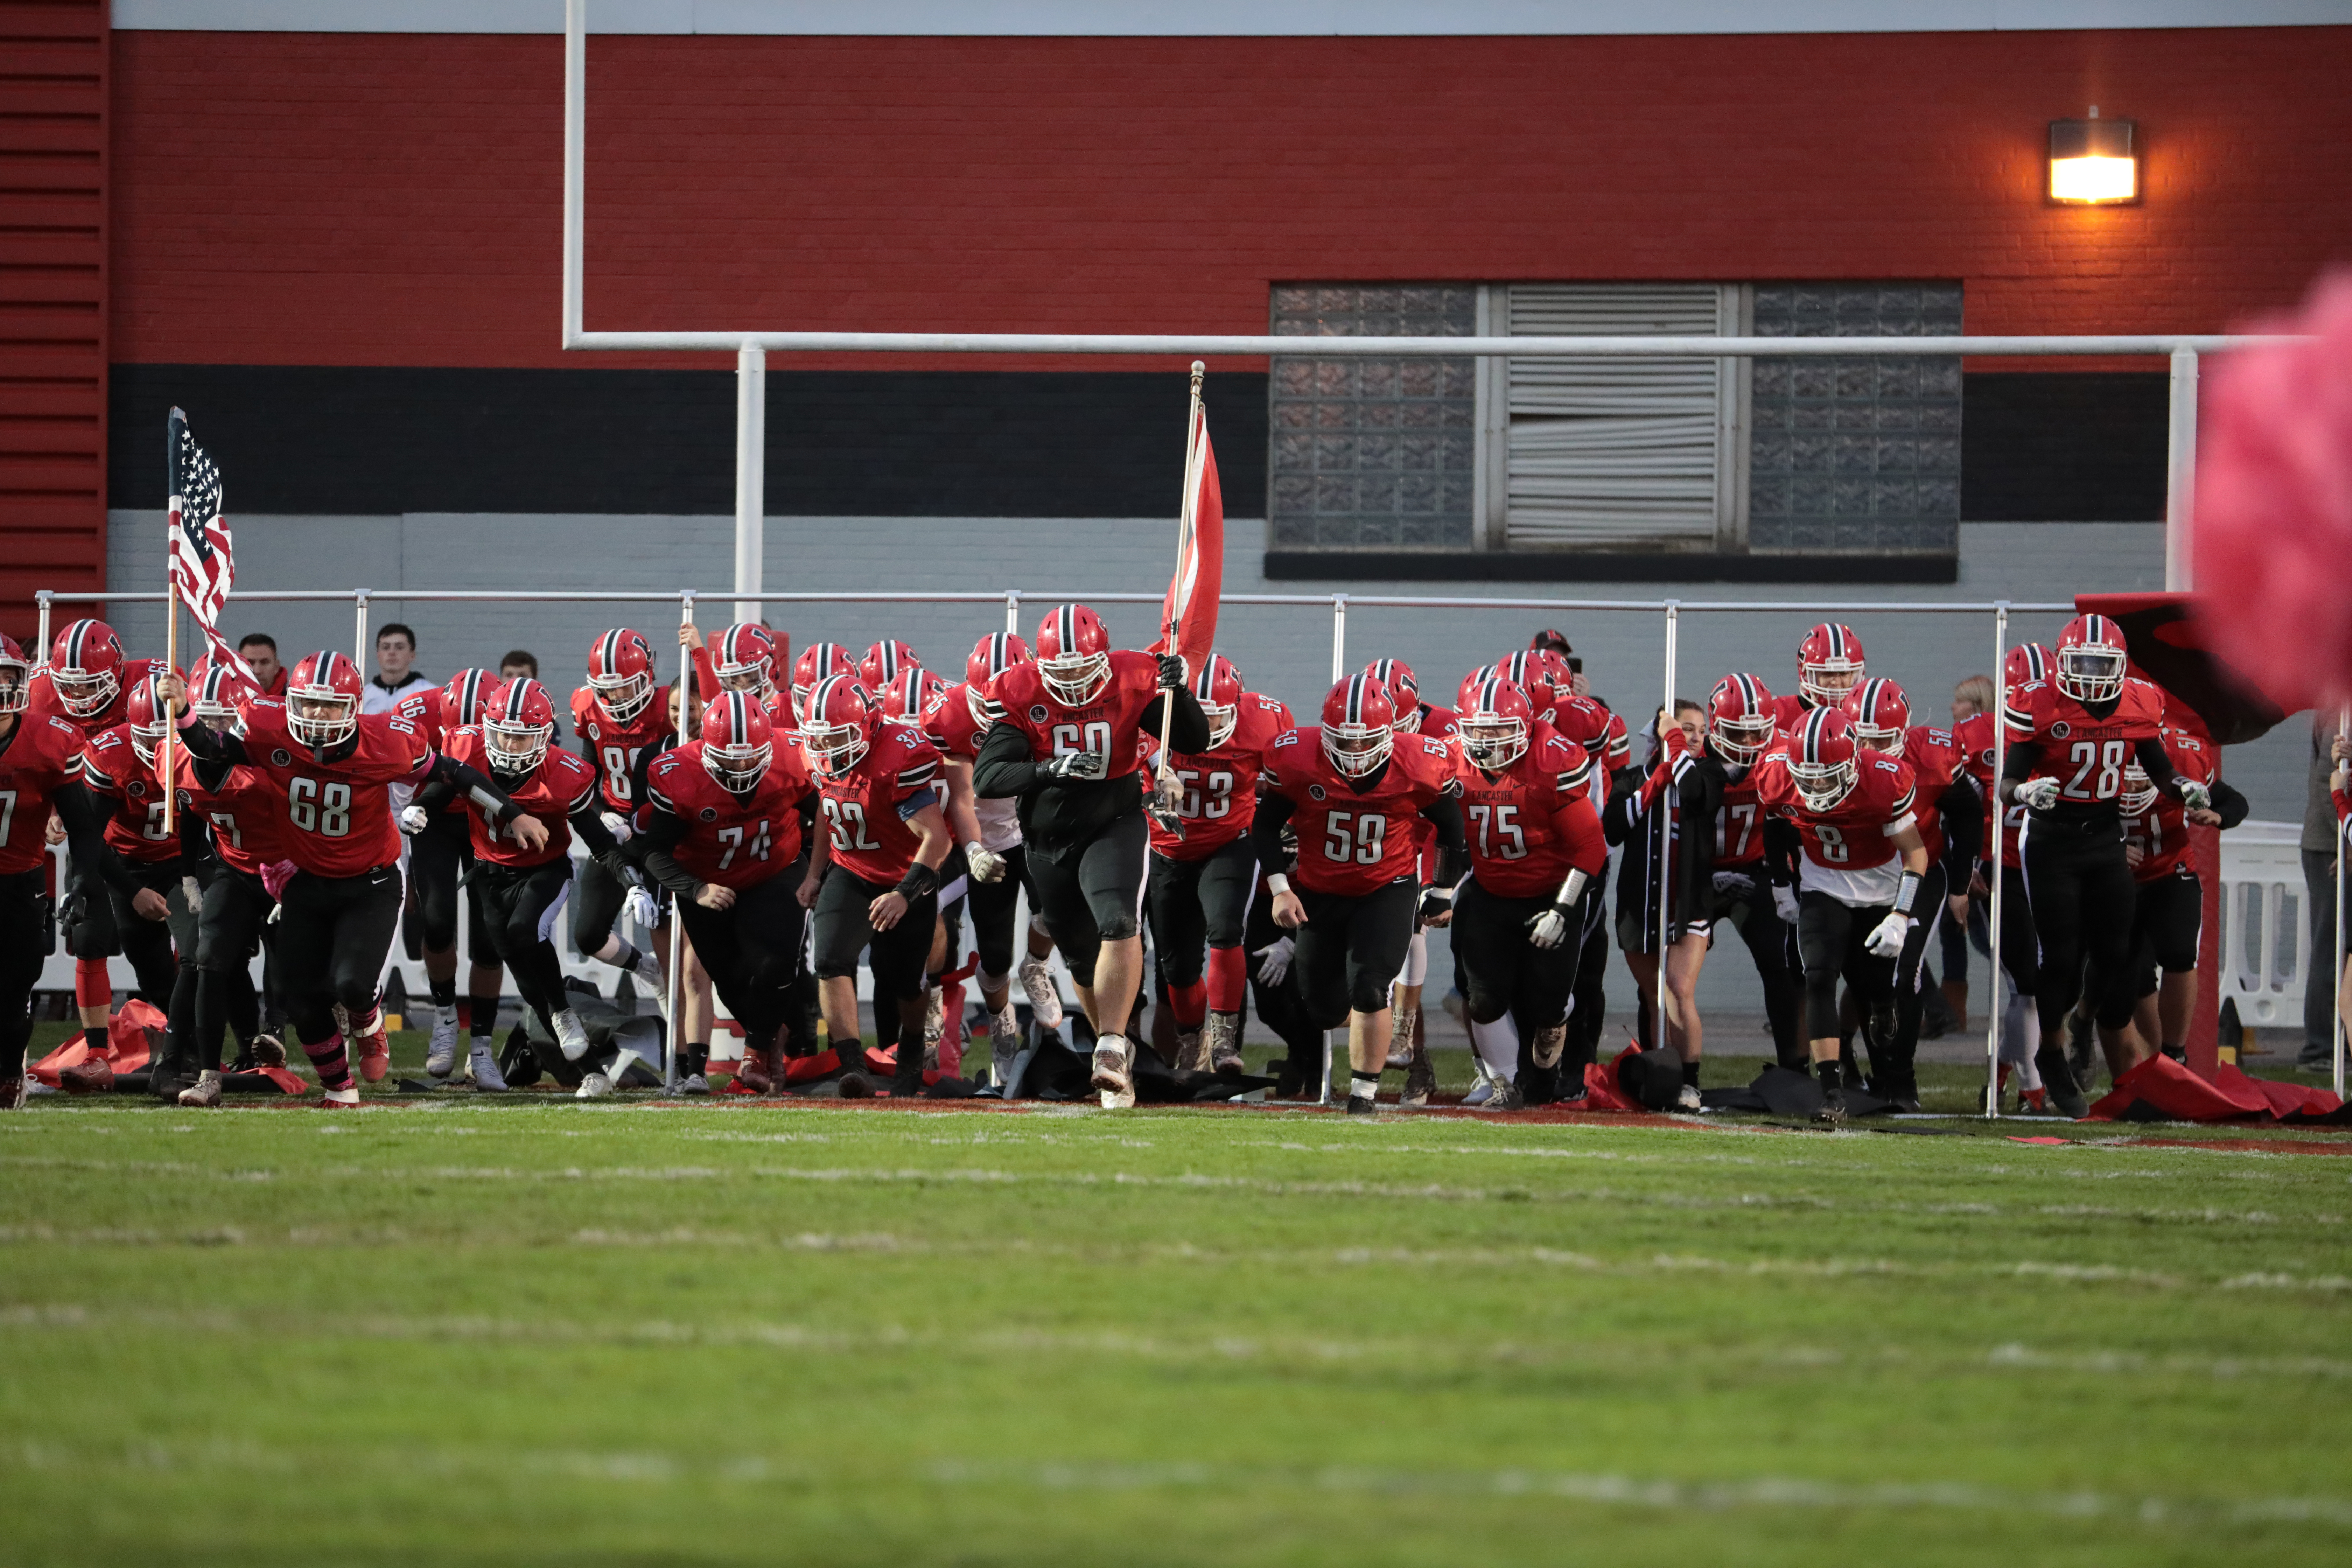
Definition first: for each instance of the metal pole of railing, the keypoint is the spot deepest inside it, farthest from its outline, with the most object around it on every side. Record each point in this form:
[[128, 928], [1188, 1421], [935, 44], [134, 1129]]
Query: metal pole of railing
[[1012, 612], [1338, 639], [2180, 474], [674, 983], [575, 161], [2335, 976], [41, 654], [359, 634], [1993, 876], [750, 477], [1662, 871]]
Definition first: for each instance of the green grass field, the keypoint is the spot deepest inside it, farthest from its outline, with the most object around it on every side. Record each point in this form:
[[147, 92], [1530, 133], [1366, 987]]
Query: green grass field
[[473, 1329]]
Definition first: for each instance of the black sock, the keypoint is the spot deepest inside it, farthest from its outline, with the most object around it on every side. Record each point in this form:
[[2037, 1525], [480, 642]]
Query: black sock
[[628, 957], [94, 1037], [1832, 1073], [910, 1052], [1690, 1074], [482, 1020], [444, 991]]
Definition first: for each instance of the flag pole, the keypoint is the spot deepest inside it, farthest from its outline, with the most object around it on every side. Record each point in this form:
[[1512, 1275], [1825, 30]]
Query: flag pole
[[172, 514], [1171, 788]]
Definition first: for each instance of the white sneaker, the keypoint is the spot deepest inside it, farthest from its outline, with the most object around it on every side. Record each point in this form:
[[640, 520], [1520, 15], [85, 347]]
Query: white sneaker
[[694, 1083], [441, 1052], [348, 1094], [1110, 1074], [600, 1084], [1483, 1092], [1044, 1001], [204, 1093], [1686, 1099], [593, 1085], [488, 1078], [570, 1035]]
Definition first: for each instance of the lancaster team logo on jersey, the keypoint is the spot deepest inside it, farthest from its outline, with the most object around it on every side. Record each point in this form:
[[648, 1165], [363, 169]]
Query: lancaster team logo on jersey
[[709, 813], [281, 758], [1036, 713], [2061, 730], [1316, 791]]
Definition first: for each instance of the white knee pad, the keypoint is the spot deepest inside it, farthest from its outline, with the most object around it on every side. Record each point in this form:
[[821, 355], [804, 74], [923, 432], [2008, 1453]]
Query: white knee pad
[[1416, 961]]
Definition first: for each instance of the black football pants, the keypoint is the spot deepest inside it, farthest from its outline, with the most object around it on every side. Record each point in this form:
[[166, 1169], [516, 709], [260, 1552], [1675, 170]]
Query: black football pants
[[237, 907], [751, 950], [1351, 949], [2081, 890], [1910, 978], [519, 906], [1503, 970], [1092, 892], [1280, 1006], [1829, 940], [1196, 905], [1744, 901], [2168, 924], [23, 946], [106, 924], [335, 933]]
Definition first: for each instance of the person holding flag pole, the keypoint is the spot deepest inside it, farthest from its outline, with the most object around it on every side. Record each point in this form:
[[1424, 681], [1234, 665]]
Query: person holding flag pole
[[1069, 751]]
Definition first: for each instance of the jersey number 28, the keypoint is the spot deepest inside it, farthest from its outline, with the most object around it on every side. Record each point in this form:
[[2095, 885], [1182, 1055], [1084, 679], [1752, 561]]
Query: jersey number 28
[[2107, 757]]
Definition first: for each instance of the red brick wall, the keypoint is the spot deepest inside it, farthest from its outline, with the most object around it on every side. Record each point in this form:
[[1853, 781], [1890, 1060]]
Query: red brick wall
[[393, 199]]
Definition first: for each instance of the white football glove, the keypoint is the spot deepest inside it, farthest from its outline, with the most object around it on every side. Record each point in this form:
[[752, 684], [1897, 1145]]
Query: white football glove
[[1078, 765], [2195, 796], [2038, 794], [986, 865], [642, 906], [194, 894], [1784, 904], [412, 819], [1274, 960], [1548, 929], [617, 826], [1887, 940]]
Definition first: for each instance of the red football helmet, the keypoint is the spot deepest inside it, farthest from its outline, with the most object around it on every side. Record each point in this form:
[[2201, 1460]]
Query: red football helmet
[[909, 695], [884, 661], [15, 677], [85, 667], [219, 696], [991, 656], [1740, 719], [1218, 688], [736, 741], [743, 658], [1468, 692], [2092, 662], [323, 701], [621, 674], [465, 696], [1821, 758], [516, 724], [838, 729], [1526, 670], [1404, 689], [818, 662], [1074, 653], [1829, 664], [1495, 721], [149, 718], [1358, 726], [1879, 713], [2027, 662]]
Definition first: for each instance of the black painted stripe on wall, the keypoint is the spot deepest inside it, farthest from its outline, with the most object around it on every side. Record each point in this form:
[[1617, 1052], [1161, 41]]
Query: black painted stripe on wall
[[336, 440], [2035, 447]]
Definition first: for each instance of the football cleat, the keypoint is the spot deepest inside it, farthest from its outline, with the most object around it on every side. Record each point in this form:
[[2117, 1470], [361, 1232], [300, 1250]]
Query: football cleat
[[1004, 1045], [601, 1083], [1111, 1078], [1832, 1110], [752, 1073], [1420, 1079], [1192, 1056], [570, 1035], [1506, 1097], [92, 1075], [12, 1093], [648, 969], [488, 1078], [339, 1098], [1045, 999], [1223, 1031], [934, 1016], [1686, 1099], [369, 1048], [1401, 1036], [204, 1093], [441, 1053], [2058, 1081], [1480, 1093], [1363, 1105], [694, 1083]]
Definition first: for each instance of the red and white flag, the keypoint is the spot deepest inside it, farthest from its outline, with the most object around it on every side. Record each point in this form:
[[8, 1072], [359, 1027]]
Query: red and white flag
[[204, 564], [1188, 618]]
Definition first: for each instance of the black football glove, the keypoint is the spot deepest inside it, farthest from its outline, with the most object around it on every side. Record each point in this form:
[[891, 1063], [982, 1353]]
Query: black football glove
[[1172, 672]]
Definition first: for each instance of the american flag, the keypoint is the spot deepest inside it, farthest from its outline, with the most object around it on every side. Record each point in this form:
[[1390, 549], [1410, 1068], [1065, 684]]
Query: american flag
[[204, 565]]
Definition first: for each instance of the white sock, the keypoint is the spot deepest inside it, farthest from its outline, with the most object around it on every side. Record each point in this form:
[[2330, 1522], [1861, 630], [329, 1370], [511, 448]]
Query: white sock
[[1497, 1044]]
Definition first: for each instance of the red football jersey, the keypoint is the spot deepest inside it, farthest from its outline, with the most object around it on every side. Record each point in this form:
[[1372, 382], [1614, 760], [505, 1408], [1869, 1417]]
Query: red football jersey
[[1599, 733], [955, 734], [1353, 842], [1974, 738], [247, 814], [1857, 833], [617, 746], [560, 785], [1739, 825], [869, 806], [38, 758], [1109, 724], [41, 698], [735, 840], [1532, 824], [2086, 755], [1936, 761], [1221, 786], [2161, 832], [111, 768], [339, 814], [1438, 723]]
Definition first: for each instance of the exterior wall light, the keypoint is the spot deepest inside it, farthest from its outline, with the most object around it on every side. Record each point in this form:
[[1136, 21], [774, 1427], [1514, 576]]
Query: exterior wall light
[[2092, 162]]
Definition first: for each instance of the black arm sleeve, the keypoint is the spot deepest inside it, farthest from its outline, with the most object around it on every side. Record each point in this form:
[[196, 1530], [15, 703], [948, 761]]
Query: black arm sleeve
[[207, 745], [2018, 763], [197, 857], [464, 780], [666, 834], [1273, 813], [588, 822], [1444, 814], [2156, 762], [86, 837], [1190, 729], [436, 794], [1782, 843], [1963, 810], [1004, 767], [2232, 807]]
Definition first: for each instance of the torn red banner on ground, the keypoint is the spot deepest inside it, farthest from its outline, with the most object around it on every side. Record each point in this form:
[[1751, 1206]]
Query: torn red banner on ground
[[2163, 1090]]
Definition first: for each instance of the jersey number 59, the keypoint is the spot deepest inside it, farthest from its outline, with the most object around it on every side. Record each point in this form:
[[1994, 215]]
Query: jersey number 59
[[1348, 838]]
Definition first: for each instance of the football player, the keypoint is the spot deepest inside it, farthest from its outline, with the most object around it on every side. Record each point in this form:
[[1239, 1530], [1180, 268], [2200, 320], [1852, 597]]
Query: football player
[[522, 889], [1741, 720], [2020, 958], [1408, 1045], [730, 814], [247, 820], [1355, 791], [41, 772], [2070, 738], [1201, 882], [1829, 665], [438, 854], [818, 661], [884, 662], [1069, 747], [342, 907], [620, 720], [1535, 848], [901, 704], [118, 767], [1949, 811], [879, 785], [1860, 865], [2168, 903]]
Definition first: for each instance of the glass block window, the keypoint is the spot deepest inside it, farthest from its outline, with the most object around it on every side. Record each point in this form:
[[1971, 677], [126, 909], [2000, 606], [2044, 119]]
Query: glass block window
[[1372, 453], [1855, 454]]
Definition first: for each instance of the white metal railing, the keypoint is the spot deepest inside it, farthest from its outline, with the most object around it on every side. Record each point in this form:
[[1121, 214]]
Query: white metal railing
[[2266, 919]]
